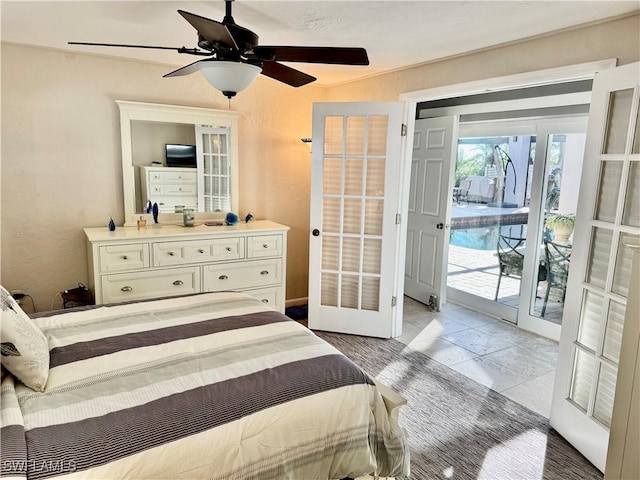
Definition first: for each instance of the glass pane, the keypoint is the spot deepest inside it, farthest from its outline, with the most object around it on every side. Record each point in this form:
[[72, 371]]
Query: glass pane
[[215, 143], [352, 215], [622, 272], [375, 177], [618, 121], [370, 293], [206, 143], [349, 291], [215, 163], [329, 289], [378, 135], [613, 335], [330, 252], [332, 176], [333, 135], [225, 167], [371, 254], [207, 164], [591, 320], [373, 217], [636, 136], [353, 176], [631, 213], [208, 187], [583, 370], [350, 254], [331, 214], [605, 393], [223, 143], [609, 188], [599, 258], [355, 135]]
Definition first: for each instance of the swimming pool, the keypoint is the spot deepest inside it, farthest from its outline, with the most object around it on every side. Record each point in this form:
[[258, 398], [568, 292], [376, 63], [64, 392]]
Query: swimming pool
[[484, 238]]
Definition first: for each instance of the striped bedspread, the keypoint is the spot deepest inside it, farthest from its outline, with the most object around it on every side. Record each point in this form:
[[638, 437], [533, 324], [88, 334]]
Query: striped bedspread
[[208, 386]]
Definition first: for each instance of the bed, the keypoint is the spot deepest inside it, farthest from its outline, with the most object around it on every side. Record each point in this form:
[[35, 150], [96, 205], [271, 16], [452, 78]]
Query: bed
[[212, 386]]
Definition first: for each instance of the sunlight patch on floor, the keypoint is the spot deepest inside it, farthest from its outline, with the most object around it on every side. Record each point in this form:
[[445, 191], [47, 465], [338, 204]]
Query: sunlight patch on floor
[[529, 448]]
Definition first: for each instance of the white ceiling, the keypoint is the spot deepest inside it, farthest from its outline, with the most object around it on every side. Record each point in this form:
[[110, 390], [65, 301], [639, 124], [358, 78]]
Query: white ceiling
[[396, 34]]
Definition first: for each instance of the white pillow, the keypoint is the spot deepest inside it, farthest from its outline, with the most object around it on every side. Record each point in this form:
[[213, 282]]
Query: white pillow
[[25, 350]]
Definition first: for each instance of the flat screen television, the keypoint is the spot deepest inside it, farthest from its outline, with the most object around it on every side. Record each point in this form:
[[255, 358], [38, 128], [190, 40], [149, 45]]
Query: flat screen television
[[180, 155]]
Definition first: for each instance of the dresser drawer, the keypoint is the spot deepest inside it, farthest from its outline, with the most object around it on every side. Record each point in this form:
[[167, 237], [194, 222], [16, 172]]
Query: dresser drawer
[[118, 258], [269, 296], [233, 276], [197, 251], [152, 284], [174, 177], [178, 189], [264, 246]]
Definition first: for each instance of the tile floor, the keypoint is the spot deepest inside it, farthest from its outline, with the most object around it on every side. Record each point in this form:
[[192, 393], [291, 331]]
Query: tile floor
[[495, 353]]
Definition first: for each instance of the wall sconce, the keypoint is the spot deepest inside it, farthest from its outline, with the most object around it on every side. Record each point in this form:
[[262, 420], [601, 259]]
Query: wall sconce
[[307, 141]]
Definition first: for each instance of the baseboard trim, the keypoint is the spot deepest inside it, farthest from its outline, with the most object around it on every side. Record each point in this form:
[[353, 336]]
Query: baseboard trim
[[296, 302]]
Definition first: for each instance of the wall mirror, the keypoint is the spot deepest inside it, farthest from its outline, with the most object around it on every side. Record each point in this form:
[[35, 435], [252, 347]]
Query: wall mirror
[[178, 157]]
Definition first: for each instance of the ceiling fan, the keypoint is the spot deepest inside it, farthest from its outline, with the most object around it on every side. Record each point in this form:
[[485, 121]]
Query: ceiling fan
[[235, 58]]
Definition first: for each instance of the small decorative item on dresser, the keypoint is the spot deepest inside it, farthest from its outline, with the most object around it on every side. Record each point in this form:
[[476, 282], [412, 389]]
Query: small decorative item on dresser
[[248, 218], [142, 222], [231, 218], [112, 224], [149, 207], [188, 217], [155, 213]]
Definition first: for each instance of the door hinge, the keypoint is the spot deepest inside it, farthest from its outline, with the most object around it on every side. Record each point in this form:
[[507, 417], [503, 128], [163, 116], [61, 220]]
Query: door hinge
[[394, 301], [403, 130], [398, 218]]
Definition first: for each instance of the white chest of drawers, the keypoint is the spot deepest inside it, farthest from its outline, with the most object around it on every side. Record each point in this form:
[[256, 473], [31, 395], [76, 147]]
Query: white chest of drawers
[[169, 186], [131, 264]]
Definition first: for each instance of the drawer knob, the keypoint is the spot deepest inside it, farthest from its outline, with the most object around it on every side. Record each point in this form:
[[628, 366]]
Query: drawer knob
[[264, 272], [127, 289], [124, 257], [264, 300], [200, 250], [170, 254], [222, 277], [228, 249], [264, 245], [177, 283]]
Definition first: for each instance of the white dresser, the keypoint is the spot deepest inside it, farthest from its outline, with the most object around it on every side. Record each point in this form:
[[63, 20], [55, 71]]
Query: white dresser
[[131, 264], [169, 186]]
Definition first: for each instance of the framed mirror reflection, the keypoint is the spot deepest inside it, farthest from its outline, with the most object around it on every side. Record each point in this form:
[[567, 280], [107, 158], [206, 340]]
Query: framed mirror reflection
[[180, 158]]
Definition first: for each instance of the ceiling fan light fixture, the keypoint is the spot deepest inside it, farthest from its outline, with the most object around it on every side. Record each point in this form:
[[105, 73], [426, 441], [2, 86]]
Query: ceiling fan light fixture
[[229, 77]]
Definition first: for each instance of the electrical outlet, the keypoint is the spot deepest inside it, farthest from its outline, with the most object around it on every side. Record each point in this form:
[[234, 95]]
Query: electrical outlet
[[17, 293]]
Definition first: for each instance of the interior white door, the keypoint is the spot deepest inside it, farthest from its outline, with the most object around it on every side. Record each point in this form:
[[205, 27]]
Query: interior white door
[[355, 184], [608, 208], [430, 197]]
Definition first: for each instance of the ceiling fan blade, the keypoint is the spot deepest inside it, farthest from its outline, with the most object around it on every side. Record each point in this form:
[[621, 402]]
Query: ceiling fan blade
[[186, 70], [192, 51], [332, 55], [210, 30], [285, 74]]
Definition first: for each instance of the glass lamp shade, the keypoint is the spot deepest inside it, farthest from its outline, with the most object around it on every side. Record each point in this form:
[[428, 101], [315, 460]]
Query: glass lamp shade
[[229, 77]]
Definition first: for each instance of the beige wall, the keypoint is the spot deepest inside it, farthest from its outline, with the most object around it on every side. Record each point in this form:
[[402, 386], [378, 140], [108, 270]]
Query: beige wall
[[61, 167]]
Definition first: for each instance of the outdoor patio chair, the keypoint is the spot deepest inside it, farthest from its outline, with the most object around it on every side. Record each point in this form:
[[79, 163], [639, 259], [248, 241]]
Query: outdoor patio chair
[[557, 258], [510, 258]]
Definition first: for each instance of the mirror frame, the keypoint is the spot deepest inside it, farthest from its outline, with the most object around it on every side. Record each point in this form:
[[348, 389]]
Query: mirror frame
[[156, 112]]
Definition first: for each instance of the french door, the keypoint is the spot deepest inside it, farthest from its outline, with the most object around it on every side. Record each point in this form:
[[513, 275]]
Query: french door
[[355, 195], [429, 208], [609, 207]]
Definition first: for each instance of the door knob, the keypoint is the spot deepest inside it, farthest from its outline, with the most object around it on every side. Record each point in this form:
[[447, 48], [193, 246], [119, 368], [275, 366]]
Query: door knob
[[440, 226], [315, 232]]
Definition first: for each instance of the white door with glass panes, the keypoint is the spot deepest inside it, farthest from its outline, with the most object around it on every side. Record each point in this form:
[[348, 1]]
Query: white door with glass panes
[[608, 208], [429, 210], [355, 184], [214, 169]]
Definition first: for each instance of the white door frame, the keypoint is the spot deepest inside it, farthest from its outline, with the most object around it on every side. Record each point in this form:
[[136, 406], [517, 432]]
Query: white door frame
[[568, 73]]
